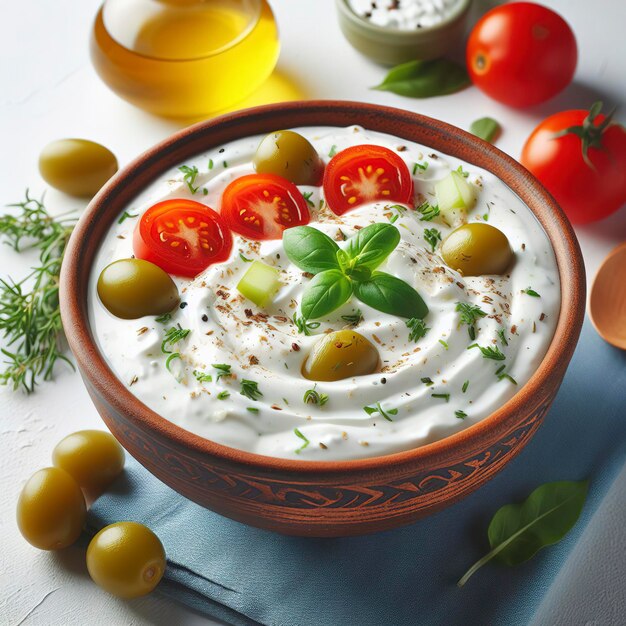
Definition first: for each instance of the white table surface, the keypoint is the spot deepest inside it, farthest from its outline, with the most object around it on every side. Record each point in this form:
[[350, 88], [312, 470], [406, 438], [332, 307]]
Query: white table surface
[[49, 90]]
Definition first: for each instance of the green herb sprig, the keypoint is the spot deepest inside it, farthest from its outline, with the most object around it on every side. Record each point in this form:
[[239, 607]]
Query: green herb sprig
[[30, 319], [312, 396], [417, 328], [173, 336], [301, 436], [489, 352], [189, 176], [429, 211], [469, 314], [377, 408], [432, 237], [250, 389]]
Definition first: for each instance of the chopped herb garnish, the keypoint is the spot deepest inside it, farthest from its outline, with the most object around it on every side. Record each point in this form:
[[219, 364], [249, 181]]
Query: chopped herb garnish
[[170, 358], [333, 151], [312, 396], [250, 389], [427, 381], [125, 216], [222, 370], [202, 377], [429, 211], [210, 164], [502, 337], [461, 171], [244, 259], [470, 314], [222, 395], [252, 409], [489, 352], [444, 343], [307, 196], [420, 166], [465, 386], [163, 319], [172, 336], [501, 374], [303, 325], [443, 396], [354, 319], [225, 164], [432, 237], [417, 328], [399, 212], [377, 408], [190, 175], [531, 292], [301, 436], [460, 414]]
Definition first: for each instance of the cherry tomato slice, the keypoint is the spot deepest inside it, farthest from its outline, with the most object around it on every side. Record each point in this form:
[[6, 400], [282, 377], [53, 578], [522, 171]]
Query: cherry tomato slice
[[262, 206], [182, 237], [363, 174]]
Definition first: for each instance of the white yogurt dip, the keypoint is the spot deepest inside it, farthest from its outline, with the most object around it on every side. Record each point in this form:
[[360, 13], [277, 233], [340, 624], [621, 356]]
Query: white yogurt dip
[[433, 387], [404, 14]]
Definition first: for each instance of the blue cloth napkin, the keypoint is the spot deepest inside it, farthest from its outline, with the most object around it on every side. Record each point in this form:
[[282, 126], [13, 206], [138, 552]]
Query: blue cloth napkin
[[245, 576]]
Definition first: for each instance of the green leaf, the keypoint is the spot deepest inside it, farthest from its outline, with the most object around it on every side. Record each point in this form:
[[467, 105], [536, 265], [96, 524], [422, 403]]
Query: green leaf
[[372, 245], [518, 531], [326, 292], [389, 294], [310, 249], [424, 79], [486, 128]]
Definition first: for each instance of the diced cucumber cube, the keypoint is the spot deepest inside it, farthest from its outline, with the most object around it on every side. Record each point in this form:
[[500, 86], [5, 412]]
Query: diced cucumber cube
[[455, 196], [259, 284]]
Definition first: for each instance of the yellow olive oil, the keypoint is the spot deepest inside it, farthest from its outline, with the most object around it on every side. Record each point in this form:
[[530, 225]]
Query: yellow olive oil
[[184, 58]]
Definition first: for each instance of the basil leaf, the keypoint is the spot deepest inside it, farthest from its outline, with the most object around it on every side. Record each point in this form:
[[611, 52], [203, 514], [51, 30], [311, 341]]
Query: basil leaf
[[424, 79], [372, 245], [518, 531], [389, 294], [326, 292], [310, 249], [486, 128]]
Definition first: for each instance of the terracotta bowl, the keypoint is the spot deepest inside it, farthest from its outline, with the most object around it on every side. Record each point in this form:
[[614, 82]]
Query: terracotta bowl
[[320, 498]]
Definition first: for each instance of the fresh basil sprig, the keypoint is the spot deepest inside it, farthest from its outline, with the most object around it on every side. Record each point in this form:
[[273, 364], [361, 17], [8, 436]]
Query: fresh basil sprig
[[518, 531], [339, 273]]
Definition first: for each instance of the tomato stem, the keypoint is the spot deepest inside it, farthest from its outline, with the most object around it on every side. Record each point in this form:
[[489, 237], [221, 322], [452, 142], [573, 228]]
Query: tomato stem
[[590, 133]]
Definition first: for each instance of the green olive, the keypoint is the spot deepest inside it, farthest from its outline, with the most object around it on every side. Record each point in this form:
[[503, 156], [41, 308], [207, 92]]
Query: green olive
[[93, 458], [341, 354], [291, 156], [132, 288], [476, 249], [51, 509], [126, 559], [77, 167]]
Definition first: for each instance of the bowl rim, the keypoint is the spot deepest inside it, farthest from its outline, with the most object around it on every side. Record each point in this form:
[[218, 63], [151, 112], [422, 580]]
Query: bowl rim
[[93, 366], [393, 34]]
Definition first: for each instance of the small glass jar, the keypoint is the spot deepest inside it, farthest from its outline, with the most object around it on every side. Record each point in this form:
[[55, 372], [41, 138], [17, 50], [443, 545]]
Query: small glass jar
[[184, 58]]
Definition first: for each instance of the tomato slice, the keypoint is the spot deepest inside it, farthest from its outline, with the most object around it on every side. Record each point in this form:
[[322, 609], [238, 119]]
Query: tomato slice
[[363, 174], [262, 206], [182, 237]]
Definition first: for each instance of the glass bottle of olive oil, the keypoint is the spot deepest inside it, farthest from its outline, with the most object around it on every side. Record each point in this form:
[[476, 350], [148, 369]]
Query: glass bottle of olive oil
[[184, 58]]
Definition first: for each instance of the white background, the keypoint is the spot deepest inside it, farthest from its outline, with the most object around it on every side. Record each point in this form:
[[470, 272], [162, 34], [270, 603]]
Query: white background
[[48, 90]]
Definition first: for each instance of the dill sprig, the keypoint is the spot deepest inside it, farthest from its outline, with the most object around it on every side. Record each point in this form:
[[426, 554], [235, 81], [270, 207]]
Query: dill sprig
[[470, 314], [429, 211], [173, 336], [417, 328], [489, 352], [30, 319]]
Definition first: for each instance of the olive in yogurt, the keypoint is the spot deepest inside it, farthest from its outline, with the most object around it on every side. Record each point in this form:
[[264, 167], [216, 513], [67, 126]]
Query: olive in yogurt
[[288, 154], [133, 288], [341, 354], [476, 249]]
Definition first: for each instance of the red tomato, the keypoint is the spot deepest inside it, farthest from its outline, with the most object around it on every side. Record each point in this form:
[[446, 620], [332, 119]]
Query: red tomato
[[521, 54], [262, 206], [589, 187], [182, 237], [363, 174]]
